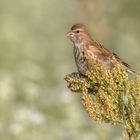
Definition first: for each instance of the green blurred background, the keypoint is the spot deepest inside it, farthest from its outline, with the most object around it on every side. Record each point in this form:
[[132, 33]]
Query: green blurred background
[[35, 55]]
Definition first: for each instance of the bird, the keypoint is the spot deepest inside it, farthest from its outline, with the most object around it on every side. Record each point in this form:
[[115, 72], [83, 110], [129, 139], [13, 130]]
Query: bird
[[84, 43]]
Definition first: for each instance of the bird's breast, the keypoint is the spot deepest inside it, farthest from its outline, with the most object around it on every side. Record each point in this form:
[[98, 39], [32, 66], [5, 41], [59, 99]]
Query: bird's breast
[[80, 60]]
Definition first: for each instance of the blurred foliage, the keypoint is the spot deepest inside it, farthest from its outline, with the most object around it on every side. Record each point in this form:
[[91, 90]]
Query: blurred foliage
[[109, 96], [35, 55]]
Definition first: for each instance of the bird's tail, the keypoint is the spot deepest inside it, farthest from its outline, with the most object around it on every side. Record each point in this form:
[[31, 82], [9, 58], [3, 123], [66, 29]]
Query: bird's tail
[[129, 69]]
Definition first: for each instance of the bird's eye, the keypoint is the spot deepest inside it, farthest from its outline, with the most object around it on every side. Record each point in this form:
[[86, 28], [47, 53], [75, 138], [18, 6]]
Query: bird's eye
[[77, 31]]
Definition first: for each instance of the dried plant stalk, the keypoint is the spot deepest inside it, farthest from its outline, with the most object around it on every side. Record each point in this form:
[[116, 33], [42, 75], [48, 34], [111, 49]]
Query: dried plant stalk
[[109, 96]]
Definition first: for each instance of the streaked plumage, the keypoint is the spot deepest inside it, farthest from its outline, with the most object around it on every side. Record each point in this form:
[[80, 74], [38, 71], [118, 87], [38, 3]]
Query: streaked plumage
[[83, 43]]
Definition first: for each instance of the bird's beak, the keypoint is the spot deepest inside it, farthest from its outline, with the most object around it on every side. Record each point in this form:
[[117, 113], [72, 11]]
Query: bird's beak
[[69, 34]]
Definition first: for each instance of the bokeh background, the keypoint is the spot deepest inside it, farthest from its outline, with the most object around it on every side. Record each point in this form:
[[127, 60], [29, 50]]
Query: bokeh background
[[35, 55]]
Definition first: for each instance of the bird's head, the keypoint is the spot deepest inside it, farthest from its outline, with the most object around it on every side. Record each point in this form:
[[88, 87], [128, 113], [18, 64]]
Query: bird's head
[[78, 34]]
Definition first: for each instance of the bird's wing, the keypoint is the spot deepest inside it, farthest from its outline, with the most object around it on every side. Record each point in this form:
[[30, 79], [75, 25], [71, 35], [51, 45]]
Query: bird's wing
[[98, 52]]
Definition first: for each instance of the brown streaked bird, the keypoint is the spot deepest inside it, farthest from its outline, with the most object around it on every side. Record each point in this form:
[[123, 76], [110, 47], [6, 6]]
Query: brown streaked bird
[[83, 42]]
